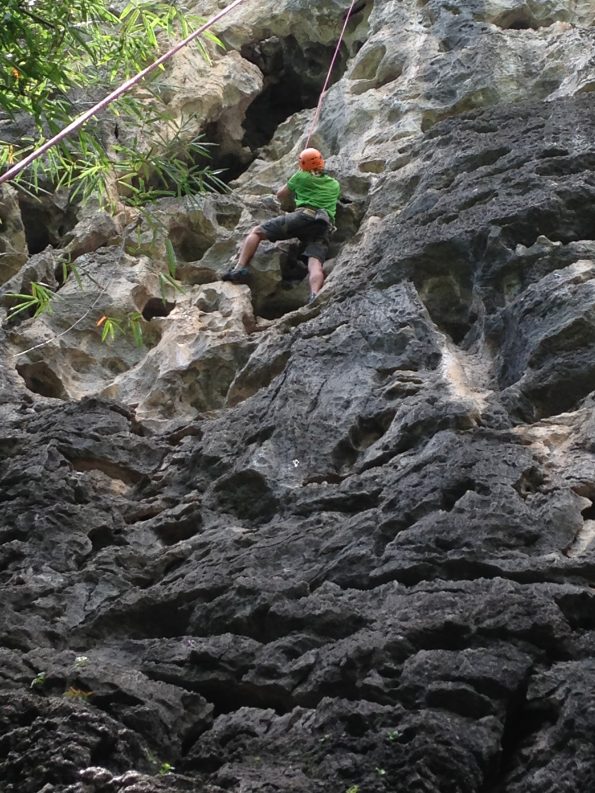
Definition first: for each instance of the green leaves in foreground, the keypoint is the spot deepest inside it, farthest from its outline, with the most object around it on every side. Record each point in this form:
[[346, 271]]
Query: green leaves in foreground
[[152, 165], [49, 47], [59, 56], [168, 280], [38, 301], [38, 680], [56, 55], [111, 327]]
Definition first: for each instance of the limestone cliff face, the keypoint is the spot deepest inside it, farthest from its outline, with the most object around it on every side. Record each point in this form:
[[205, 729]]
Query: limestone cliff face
[[345, 547]]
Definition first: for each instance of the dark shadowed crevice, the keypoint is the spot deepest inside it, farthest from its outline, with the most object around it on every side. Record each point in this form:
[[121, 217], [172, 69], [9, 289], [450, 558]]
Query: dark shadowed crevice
[[36, 230], [274, 308], [294, 74], [44, 224], [275, 104], [577, 608], [144, 620], [107, 467], [246, 495], [190, 244], [572, 220], [174, 531], [523, 19], [529, 482], [103, 751], [523, 725], [40, 379], [101, 537], [455, 492], [228, 216], [449, 301], [227, 696], [516, 20], [553, 398], [156, 307], [142, 513], [366, 431]]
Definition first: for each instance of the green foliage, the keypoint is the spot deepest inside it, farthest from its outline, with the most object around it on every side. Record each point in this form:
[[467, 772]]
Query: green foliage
[[167, 166], [135, 326], [70, 268], [168, 280], [353, 789], [57, 55], [38, 680], [53, 52], [77, 693], [48, 47], [39, 300], [110, 328], [166, 768], [151, 166]]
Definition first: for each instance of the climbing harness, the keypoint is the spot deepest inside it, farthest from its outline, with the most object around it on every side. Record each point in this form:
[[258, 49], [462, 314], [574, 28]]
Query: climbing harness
[[126, 86], [328, 76]]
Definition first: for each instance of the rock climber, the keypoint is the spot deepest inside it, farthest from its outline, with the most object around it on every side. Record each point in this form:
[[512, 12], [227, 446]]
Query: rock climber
[[315, 194]]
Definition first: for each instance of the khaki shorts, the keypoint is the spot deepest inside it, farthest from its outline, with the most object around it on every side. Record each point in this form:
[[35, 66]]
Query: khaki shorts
[[314, 232]]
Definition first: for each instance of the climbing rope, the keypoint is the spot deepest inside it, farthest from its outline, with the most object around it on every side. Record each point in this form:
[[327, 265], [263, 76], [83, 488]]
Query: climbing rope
[[328, 76], [132, 81], [126, 86], [11, 173]]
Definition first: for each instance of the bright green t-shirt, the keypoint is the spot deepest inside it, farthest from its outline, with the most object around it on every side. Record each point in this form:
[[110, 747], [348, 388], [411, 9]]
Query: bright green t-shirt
[[317, 190]]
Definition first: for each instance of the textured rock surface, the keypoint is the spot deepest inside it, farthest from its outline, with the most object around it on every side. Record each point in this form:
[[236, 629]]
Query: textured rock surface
[[13, 245], [345, 547]]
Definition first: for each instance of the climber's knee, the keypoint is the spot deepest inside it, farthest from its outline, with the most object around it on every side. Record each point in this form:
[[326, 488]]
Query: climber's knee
[[258, 231]]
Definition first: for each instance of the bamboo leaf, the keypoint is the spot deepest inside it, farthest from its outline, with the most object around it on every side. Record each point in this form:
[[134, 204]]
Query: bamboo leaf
[[172, 260]]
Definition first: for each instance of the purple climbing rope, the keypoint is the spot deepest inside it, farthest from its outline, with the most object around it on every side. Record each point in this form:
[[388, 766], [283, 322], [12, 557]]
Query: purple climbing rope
[[328, 76]]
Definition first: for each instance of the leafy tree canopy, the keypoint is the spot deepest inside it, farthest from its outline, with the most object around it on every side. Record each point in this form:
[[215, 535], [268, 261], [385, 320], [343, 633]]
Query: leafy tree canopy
[[55, 52]]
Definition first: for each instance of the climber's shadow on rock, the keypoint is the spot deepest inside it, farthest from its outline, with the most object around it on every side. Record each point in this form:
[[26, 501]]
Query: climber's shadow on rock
[[293, 264]]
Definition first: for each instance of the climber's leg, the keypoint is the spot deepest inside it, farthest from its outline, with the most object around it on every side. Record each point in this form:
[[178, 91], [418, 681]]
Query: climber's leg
[[315, 276]]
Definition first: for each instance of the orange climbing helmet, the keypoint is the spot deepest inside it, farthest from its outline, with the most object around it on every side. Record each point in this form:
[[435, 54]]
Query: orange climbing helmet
[[311, 160]]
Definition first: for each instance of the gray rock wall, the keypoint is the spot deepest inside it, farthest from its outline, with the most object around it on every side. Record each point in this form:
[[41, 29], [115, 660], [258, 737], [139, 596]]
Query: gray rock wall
[[345, 547]]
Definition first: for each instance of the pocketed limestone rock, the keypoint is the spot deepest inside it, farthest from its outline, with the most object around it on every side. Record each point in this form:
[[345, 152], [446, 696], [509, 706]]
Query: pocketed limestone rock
[[13, 244], [349, 547]]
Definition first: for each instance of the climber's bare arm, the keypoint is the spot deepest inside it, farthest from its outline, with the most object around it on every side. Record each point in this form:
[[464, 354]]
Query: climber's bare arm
[[285, 196]]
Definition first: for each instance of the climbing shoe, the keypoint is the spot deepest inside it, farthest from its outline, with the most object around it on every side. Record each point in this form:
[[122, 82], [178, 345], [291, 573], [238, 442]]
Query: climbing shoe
[[312, 298], [237, 276]]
